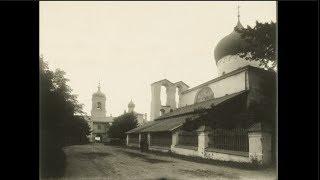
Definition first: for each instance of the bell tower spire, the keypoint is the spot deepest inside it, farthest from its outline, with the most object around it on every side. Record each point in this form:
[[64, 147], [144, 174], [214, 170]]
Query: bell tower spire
[[239, 25]]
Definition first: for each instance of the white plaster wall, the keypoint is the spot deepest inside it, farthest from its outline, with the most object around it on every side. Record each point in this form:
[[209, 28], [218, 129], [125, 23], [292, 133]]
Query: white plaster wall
[[233, 62], [225, 157], [133, 145], [229, 85], [159, 149], [260, 147], [186, 152]]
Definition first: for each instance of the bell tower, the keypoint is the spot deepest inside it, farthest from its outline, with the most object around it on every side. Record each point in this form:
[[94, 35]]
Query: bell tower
[[98, 104]]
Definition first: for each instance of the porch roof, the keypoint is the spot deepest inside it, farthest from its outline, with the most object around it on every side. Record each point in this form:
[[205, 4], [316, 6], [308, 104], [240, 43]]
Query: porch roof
[[140, 128], [169, 124]]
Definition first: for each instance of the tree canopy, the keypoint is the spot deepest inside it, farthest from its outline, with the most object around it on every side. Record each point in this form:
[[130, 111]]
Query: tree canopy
[[121, 125], [61, 119], [261, 44]]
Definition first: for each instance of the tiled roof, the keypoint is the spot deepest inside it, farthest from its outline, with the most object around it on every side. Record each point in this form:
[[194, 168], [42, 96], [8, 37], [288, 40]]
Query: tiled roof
[[202, 105]]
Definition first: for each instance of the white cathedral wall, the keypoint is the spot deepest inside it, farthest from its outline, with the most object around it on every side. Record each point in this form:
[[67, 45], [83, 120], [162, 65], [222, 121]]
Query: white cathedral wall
[[233, 62], [229, 85]]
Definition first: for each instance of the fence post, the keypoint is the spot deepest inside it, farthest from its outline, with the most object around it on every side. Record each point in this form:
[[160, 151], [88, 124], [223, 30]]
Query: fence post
[[139, 140], [127, 140], [203, 139], [259, 145], [149, 139], [175, 138]]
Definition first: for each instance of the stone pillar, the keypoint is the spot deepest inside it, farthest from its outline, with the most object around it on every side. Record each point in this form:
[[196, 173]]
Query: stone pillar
[[180, 97], [260, 146], [171, 96], [139, 140], [127, 140], [149, 139], [203, 139], [155, 101], [175, 138]]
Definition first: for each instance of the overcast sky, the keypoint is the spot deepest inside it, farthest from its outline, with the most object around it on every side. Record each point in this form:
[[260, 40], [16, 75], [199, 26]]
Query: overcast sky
[[129, 45]]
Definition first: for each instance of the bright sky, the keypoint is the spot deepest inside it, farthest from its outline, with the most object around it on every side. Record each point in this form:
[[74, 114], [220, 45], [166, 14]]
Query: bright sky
[[129, 45]]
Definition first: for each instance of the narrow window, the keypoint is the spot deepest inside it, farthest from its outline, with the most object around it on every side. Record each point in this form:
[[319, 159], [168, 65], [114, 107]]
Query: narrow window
[[99, 105]]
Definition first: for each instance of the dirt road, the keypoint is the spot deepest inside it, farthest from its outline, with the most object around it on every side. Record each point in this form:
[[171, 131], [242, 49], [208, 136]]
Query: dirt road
[[108, 162]]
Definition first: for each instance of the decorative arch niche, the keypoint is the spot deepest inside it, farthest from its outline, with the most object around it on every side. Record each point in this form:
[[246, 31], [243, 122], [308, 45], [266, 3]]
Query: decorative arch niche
[[204, 94]]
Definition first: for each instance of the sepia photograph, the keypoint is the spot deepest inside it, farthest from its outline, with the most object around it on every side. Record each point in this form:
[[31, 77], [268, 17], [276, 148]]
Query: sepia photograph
[[158, 90]]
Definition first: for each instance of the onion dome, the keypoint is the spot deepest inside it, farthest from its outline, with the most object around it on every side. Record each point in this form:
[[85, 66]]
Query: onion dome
[[231, 44], [99, 93]]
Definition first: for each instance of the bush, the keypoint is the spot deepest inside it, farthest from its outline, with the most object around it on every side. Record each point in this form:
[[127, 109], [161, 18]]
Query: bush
[[121, 125]]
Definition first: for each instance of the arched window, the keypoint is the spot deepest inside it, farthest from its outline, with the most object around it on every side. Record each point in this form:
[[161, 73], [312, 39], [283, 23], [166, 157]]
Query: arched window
[[99, 105], [177, 97], [204, 94], [163, 96]]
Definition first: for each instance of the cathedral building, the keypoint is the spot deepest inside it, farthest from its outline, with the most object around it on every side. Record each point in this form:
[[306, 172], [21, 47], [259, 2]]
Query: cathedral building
[[98, 121], [229, 118]]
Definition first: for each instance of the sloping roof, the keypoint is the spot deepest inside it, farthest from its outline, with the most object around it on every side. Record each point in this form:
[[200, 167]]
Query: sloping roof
[[175, 119], [168, 124], [202, 105], [140, 128]]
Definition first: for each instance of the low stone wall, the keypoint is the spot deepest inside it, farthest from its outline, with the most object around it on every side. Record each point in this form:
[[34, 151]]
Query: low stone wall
[[133, 145], [185, 151], [259, 148], [225, 156], [210, 154], [159, 149]]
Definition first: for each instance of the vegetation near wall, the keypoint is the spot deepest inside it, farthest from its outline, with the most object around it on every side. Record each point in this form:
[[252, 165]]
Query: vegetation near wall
[[61, 120], [121, 125], [261, 44]]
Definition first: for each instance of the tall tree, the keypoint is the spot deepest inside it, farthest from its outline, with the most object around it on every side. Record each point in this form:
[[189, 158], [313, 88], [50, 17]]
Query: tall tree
[[261, 44], [59, 123]]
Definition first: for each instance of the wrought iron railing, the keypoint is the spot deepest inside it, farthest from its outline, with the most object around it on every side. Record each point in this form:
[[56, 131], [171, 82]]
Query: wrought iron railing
[[229, 139]]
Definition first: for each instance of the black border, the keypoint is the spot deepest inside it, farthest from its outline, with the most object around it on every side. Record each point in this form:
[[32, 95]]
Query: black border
[[298, 89], [19, 89]]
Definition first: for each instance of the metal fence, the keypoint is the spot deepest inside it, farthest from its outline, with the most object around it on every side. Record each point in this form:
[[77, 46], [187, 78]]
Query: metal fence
[[229, 139], [163, 139], [188, 138]]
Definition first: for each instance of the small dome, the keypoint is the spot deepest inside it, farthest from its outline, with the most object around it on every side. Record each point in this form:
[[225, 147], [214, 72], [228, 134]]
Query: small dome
[[98, 93], [229, 45], [131, 104]]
